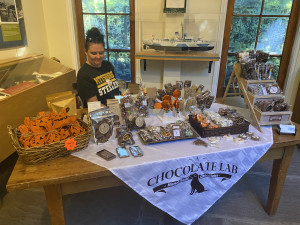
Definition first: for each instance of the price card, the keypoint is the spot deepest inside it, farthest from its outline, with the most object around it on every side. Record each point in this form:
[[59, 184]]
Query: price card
[[176, 133], [92, 106], [287, 129]]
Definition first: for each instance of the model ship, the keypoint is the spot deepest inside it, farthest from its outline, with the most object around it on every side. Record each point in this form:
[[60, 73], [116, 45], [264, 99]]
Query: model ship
[[178, 43]]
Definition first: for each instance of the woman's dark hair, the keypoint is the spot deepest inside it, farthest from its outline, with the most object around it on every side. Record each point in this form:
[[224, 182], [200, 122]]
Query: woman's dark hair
[[93, 35]]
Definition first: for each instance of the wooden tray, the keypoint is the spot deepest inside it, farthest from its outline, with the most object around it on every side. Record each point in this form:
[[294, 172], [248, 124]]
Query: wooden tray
[[273, 118], [253, 98], [195, 135], [210, 132]]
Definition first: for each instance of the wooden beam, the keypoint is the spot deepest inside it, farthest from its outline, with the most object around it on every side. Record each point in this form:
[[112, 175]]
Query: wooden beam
[[225, 47], [80, 31], [132, 39]]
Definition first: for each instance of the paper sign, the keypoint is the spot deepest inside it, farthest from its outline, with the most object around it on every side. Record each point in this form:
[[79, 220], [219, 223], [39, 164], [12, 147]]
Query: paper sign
[[92, 106]]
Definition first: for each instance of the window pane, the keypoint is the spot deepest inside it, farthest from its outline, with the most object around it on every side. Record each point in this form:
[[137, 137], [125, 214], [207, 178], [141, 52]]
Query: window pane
[[121, 63], [98, 21], [246, 7], [117, 6], [276, 62], [272, 34], [92, 6], [278, 7], [243, 33], [118, 32]]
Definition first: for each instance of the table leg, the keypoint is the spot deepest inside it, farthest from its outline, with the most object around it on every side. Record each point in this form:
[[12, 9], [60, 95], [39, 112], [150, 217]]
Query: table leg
[[279, 171], [55, 204]]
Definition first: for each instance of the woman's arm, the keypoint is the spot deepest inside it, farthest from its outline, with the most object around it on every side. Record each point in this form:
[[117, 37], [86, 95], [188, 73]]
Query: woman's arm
[[92, 99]]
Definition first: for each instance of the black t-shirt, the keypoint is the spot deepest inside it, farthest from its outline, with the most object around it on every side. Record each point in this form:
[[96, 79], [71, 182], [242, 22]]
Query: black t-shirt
[[100, 82]]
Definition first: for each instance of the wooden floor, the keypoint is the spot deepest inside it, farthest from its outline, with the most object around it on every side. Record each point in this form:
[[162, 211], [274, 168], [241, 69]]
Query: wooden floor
[[243, 204]]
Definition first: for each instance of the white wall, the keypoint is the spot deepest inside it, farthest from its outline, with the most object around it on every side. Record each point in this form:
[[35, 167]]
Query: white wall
[[293, 74], [60, 29], [50, 30], [203, 19]]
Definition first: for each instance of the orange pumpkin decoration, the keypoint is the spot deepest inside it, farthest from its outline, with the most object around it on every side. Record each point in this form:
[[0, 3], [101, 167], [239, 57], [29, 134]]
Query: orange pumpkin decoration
[[23, 129], [40, 114], [76, 130], [166, 104], [176, 93], [35, 128], [157, 105], [42, 121], [64, 133], [204, 123], [60, 120], [49, 126], [25, 140], [73, 121], [53, 137], [27, 121], [176, 103], [38, 140], [167, 97]]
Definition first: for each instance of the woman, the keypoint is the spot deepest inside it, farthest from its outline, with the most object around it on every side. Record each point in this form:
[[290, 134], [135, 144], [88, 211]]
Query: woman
[[96, 78]]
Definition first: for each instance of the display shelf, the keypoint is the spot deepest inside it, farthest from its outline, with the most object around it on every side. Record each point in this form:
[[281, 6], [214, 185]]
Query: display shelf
[[253, 98], [178, 56], [259, 117], [268, 118]]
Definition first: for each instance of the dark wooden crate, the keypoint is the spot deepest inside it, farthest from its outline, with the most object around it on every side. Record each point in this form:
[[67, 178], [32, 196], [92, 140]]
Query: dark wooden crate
[[209, 132]]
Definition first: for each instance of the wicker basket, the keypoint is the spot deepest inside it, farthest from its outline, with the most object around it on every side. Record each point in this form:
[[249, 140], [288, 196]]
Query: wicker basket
[[209, 132], [39, 154]]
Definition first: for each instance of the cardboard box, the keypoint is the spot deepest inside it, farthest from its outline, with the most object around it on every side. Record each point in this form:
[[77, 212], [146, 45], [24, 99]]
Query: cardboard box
[[28, 102]]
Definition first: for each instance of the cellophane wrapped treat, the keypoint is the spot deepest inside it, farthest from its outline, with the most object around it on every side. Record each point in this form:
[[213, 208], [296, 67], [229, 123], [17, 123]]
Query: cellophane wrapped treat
[[102, 124]]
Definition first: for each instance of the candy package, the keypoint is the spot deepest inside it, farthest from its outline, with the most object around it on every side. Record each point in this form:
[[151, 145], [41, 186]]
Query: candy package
[[102, 124]]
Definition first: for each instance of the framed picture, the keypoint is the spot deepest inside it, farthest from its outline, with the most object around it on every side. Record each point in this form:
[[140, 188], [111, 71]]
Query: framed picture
[[175, 6], [12, 26]]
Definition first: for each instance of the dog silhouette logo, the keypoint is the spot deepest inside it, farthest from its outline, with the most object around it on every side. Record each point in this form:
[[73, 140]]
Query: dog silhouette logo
[[196, 186]]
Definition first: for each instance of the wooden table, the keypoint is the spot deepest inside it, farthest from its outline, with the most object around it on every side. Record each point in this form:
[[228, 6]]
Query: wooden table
[[69, 175]]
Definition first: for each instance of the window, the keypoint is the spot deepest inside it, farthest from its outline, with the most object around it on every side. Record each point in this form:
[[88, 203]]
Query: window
[[115, 20], [260, 25]]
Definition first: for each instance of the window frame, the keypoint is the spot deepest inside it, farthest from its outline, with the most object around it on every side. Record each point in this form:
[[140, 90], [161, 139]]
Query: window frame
[[81, 34], [287, 48]]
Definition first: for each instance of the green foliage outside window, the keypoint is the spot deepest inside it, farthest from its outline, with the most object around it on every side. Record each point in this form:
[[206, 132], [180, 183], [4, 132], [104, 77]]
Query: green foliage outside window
[[247, 7], [277, 7], [243, 33], [117, 6], [118, 30], [93, 6], [272, 30], [272, 34]]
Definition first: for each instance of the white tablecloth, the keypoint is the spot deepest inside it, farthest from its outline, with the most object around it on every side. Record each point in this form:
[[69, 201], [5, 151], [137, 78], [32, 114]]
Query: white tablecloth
[[179, 177]]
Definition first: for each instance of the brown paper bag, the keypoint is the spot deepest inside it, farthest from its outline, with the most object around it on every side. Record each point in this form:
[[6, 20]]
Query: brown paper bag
[[62, 101], [56, 95], [151, 92], [114, 107]]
